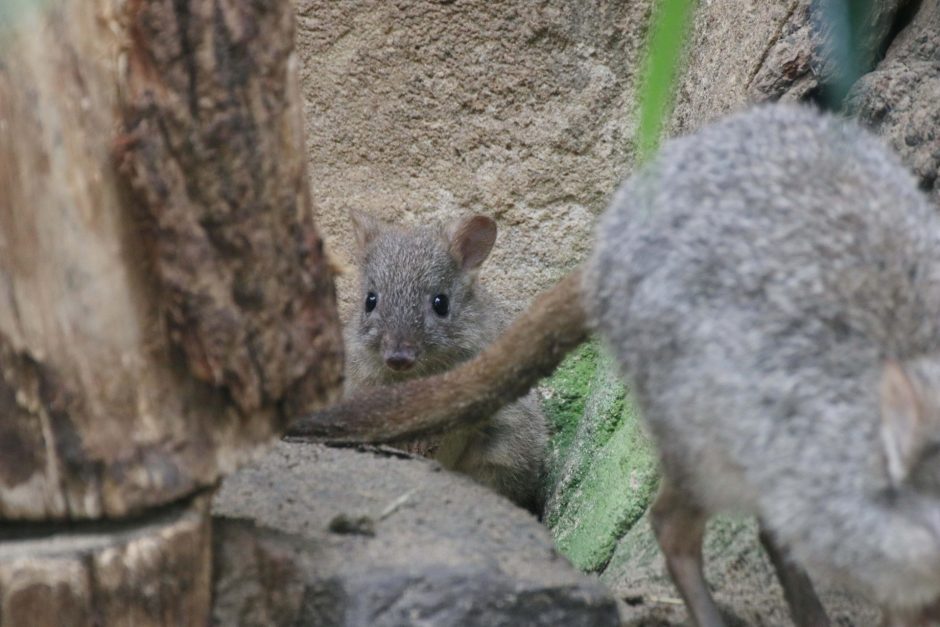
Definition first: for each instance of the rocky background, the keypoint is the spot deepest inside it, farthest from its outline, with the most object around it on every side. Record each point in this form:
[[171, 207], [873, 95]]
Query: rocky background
[[420, 110]]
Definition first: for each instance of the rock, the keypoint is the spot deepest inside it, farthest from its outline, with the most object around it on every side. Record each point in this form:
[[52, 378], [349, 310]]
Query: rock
[[809, 53], [787, 70], [895, 96], [426, 110], [602, 471], [718, 72], [899, 99], [445, 551], [738, 571]]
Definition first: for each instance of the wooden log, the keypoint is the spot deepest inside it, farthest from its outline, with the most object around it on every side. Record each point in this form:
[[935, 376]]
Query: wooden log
[[156, 571], [165, 303]]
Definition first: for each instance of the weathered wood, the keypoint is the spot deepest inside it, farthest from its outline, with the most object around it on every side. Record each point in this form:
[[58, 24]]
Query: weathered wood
[[156, 572], [215, 154], [165, 303]]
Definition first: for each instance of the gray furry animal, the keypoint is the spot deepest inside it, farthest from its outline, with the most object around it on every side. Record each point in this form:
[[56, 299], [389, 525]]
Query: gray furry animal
[[770, 286], [423, 311]]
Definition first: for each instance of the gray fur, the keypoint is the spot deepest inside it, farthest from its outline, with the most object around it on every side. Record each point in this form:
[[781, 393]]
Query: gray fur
[[406, 268], [753, 281]]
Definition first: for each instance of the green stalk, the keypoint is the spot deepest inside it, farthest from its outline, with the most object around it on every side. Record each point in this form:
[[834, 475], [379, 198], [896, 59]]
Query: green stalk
[[670, 25]]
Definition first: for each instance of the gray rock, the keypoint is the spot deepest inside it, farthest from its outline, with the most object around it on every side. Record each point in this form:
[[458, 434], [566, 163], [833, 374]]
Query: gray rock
[[786, 71], [899, 99], [803, 56], [410, 545], [726, 48]]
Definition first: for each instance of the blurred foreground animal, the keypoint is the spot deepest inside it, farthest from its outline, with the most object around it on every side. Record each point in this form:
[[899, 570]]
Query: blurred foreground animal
[[422, 312], [770, 286]]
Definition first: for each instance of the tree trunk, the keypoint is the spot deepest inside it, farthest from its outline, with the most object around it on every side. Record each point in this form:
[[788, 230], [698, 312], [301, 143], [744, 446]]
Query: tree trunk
[[165, 301], [153, 571]]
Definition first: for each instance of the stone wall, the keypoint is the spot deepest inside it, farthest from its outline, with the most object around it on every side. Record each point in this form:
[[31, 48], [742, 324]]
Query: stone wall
[[524, 111], [419, 110]]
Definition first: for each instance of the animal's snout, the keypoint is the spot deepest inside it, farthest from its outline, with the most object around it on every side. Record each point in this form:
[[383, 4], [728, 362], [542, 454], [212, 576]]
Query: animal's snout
[[401, 358]]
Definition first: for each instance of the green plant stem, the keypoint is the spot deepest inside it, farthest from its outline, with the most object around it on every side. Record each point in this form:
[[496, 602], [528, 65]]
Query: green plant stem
[[670, 25]]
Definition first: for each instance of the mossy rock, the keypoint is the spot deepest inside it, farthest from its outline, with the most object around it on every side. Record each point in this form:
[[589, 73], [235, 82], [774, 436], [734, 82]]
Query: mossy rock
[[602, 470]]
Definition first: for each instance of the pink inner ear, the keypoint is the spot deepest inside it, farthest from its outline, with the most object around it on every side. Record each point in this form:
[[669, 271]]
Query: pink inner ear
[[473, 241], [901, 416]]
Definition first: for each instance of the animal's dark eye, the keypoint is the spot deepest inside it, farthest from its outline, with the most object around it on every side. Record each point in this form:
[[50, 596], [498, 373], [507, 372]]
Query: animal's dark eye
[[371, 301], [440, 305]]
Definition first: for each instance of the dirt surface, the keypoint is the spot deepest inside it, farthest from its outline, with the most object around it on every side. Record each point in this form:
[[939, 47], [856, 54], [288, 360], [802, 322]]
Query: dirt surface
[[738, 571]]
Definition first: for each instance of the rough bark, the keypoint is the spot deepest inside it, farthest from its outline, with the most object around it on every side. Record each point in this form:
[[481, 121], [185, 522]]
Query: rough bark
[[214, 153], [165, 303]]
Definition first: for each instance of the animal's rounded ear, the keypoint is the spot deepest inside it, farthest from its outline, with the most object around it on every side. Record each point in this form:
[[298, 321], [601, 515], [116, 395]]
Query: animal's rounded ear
[[471, 240], [902, 417], [365, 227]]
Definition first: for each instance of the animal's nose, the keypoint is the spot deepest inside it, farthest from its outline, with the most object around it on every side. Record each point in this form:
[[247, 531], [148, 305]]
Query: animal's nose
[[401, 359]]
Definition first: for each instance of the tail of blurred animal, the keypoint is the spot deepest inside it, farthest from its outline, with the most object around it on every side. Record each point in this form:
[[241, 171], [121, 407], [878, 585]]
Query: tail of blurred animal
[[529, 350]]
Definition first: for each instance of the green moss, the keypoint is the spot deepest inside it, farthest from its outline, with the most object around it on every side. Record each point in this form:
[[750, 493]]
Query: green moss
[[618, 483], [668, 30], [602, 472], [563, 399]]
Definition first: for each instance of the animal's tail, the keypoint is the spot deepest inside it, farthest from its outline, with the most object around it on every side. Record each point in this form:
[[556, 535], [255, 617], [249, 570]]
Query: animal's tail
[[528, 350]]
